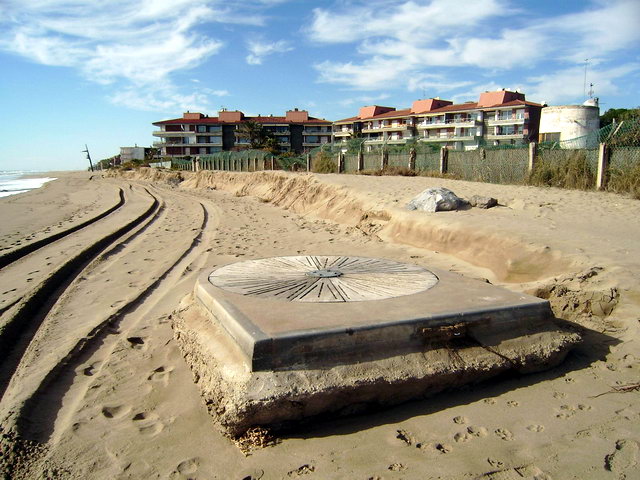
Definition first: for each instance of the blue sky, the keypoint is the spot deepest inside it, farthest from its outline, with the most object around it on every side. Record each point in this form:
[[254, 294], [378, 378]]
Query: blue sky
[[80, 71]]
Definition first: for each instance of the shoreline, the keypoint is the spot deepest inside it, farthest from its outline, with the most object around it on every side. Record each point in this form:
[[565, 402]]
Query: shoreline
[[101, 385]]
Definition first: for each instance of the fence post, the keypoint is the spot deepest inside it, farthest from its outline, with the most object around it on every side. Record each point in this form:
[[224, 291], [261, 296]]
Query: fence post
[[533, 152], [444, 160], [271, 162], [308, 162], [412, 159], [360, 160], [384, 161], [340, 162], [603, 166]]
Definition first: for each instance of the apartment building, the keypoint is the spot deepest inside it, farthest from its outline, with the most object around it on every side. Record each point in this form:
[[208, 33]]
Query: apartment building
[[500, 117], [198, 134]]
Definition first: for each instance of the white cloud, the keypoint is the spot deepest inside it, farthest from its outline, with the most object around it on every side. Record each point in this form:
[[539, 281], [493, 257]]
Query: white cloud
[[560, 86], [409, 21], [363, 100], [260, 49], [112, 41], [166, 98], [408, 42]]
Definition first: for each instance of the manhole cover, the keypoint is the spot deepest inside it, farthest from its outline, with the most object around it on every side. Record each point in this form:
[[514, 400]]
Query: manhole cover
[[323, 278]]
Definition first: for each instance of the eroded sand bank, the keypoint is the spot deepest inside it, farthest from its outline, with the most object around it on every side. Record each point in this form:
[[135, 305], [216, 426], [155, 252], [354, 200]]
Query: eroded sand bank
[[96, 384]]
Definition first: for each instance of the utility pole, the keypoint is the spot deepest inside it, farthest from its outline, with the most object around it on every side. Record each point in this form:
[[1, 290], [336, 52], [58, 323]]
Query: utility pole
[[86, 150]]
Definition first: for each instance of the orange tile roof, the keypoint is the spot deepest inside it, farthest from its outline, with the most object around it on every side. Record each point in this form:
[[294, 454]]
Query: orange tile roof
[[261, 119], [448, 108]]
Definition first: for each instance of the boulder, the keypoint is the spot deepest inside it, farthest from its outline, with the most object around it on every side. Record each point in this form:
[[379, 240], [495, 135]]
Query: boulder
[[434, 200], [482, 202]]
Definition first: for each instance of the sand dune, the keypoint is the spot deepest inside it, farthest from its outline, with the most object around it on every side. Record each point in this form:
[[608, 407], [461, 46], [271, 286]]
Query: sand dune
[[94, 385]]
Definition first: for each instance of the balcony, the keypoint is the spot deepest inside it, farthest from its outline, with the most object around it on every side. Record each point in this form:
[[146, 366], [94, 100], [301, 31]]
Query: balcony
[[506, 136], [440, 138], [283, 132], [342, 133], [453, 122], [162, 133], [316, 131], [182, 144], [388, 128], [506, 121]]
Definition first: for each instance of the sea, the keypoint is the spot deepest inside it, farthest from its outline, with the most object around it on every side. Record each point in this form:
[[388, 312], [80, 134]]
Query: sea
[[12, 183]]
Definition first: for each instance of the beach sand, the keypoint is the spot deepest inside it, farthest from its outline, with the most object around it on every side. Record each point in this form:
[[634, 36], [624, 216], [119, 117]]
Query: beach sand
[[95, 386]]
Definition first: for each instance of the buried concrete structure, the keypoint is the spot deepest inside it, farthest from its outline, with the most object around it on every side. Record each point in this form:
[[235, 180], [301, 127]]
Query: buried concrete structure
[[277, 340]]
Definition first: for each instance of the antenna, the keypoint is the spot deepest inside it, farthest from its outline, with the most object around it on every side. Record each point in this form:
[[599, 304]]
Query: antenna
[[86, 150], [584, 84], [591, 90]]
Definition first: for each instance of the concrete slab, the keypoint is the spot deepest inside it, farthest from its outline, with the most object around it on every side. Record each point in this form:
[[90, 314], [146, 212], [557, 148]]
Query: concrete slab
[[308, 311]]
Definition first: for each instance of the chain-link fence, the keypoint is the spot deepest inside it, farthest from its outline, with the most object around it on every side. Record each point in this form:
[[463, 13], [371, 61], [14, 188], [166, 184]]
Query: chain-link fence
[[565, 168], [506, 166], [350, 162], [428, 161], [624, 170]]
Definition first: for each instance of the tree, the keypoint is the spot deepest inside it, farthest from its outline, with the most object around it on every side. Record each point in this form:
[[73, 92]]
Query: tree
[[619, 115], [255, 133]]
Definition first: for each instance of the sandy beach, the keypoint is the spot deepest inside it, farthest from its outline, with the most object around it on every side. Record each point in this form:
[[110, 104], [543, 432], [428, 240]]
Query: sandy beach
[[94, 266]]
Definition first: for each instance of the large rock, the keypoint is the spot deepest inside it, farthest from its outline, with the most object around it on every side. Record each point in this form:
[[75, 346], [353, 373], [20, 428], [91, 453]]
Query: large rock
[[435, 200], [482, 202]]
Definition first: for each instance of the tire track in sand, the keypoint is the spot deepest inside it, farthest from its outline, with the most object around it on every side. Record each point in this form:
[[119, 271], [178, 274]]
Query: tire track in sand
[[37, 416]]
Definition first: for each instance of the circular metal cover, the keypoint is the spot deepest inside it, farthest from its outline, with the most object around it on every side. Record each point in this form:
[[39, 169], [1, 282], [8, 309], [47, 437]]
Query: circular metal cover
[[323, 278]]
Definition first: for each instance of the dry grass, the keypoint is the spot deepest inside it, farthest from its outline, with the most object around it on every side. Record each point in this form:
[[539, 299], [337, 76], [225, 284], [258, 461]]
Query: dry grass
[[253, 439], [625, 181], [394, 171], [323, 163], [575, 173]]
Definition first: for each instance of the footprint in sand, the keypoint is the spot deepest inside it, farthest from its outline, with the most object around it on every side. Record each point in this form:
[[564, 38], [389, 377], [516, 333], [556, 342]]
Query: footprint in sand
[[443, 447], [137, 342], [253, 474], [477, 431], [568, 411], [489, 401], [188, 467], [513, 403], [504, 434], [625, 458], [115, 411], [91, 369], [462, 437], [161, 374], [302, 470], [406, 437], [536, 428], [148, 423], [460, 420], [495, 462]]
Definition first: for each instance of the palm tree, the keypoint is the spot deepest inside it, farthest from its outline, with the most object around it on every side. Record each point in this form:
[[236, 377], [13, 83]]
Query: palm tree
[[254, 132]]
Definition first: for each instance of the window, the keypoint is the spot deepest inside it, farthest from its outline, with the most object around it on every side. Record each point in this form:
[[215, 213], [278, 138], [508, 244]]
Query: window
[[202, 129], [550, 137]]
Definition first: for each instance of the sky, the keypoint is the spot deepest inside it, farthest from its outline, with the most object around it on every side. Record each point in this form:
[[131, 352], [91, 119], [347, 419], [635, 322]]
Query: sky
[[76, 72]]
